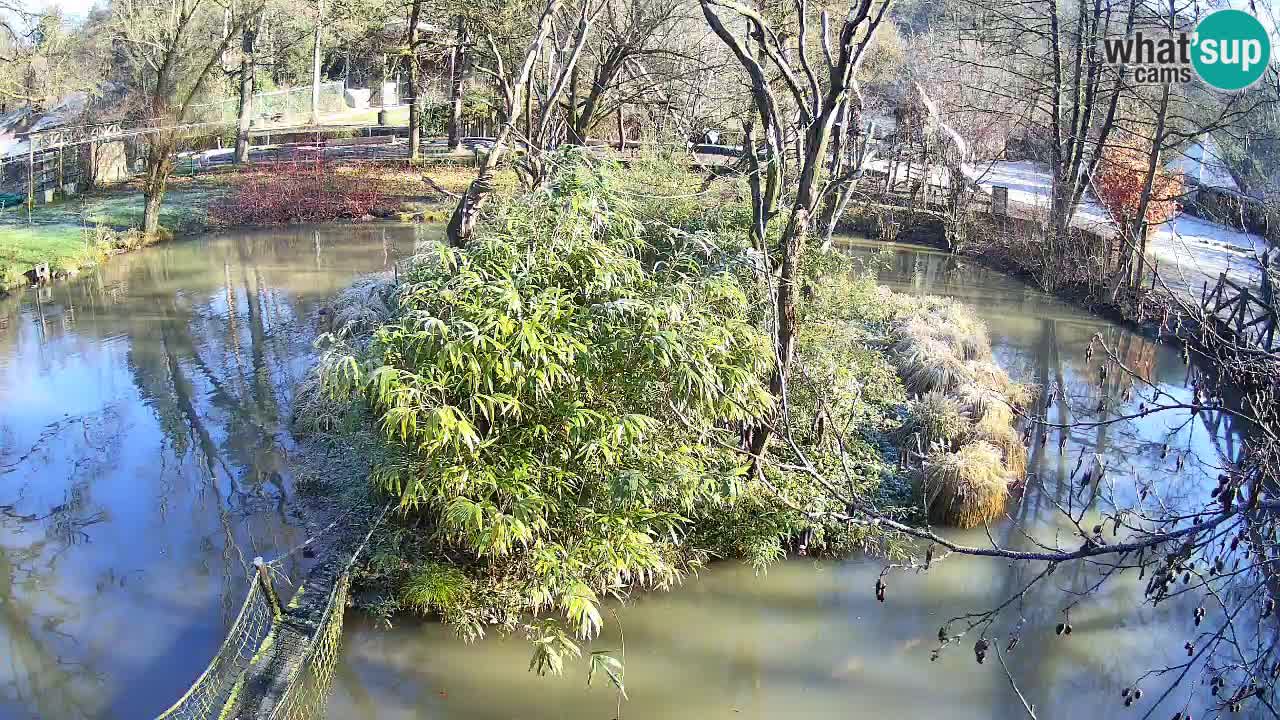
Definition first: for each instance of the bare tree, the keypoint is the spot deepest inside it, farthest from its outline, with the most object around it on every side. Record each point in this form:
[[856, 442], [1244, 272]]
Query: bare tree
[[513, 87], [627, 31], [459, 64], [817, 95], [166, 50], [247, 81]]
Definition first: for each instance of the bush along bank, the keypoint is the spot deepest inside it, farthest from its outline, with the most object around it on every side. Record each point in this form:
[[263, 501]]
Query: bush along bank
[[546, 405]]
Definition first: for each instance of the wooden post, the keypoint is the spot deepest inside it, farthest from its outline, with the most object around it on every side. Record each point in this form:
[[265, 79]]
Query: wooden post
[[622, 137], [1243, 307], [31, 175], [264, 577]]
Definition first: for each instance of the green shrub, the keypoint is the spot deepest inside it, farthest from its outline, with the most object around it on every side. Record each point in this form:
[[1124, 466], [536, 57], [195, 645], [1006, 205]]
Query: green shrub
[[546, 398]]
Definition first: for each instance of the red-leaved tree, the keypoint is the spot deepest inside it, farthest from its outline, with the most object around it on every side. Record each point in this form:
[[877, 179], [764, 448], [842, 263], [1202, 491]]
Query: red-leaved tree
[[1121, 182], [1121, 178]]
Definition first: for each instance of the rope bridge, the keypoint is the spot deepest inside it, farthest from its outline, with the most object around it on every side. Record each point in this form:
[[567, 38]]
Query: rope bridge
[[277, 661]]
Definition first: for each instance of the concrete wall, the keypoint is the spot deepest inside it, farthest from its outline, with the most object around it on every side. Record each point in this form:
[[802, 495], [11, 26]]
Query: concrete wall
[[109, 164]]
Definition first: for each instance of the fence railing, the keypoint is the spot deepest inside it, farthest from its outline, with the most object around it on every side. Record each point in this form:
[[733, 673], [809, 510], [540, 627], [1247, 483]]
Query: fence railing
[[1250, 315], [211, 692], [276, 662]]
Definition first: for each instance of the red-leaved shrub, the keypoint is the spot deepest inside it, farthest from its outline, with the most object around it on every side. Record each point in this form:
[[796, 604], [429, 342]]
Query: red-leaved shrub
[[1121, 176], [298, 192]]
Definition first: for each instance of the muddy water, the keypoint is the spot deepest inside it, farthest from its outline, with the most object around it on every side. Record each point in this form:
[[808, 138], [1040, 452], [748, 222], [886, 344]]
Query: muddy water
[[144, 457], [808, 640]]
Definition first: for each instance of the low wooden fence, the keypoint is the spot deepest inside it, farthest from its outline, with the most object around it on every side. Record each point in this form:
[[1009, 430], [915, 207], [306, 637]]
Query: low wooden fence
[[1248, 315]]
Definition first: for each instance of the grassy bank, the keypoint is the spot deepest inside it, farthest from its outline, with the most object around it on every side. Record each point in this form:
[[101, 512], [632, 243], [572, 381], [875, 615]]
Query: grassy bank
[[78, 233]]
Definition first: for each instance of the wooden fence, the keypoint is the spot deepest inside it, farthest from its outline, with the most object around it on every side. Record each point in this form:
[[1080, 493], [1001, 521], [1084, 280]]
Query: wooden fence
[[1249, 315]]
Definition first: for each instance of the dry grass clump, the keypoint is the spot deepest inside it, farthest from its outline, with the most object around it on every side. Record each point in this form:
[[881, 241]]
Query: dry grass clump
[[981, 402], [364, 305], [964, 413], [954, 324], [927, 364], [314, 409], [937, 418], [966, 488], [1001, 434]]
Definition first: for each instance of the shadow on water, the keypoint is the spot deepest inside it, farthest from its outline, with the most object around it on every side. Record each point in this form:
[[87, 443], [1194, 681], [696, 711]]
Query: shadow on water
[[808, 638], [144, 457]]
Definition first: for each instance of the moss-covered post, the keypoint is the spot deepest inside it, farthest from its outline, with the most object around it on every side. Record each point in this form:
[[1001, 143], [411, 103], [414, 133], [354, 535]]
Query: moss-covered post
[[264, 577]]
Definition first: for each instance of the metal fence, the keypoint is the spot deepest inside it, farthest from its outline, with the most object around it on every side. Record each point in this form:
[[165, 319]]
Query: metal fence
[[276, 107]]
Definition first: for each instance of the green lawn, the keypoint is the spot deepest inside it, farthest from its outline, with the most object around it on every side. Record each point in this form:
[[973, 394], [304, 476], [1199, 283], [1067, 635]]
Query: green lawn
[[56, 233]]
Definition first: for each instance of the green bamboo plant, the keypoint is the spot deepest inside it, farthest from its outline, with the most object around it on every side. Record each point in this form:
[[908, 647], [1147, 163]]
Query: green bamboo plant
[[547, 394]]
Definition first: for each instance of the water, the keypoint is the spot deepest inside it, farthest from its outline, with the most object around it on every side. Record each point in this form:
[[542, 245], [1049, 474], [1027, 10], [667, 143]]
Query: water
[[144, 458], [808, 640]]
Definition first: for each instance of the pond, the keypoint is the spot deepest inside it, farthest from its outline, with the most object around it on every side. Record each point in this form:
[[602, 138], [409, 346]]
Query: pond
[[144, 459]]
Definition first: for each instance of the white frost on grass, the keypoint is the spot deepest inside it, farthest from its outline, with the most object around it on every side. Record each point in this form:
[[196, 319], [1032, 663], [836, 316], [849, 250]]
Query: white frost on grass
[[1029, 184], [1192, 251]]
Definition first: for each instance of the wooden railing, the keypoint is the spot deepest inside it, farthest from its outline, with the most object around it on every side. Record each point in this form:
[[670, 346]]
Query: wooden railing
[[1249, 315]]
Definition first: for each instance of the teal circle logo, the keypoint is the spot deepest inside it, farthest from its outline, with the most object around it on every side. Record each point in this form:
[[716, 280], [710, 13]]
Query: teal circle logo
[[1231, 49]]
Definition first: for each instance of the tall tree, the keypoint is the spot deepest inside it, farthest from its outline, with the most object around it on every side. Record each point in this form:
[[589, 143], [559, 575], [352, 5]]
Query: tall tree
[[248, 73], [513, 87], [628, 30], [415, 81], [459, 61], [816, 95], [167, 51]]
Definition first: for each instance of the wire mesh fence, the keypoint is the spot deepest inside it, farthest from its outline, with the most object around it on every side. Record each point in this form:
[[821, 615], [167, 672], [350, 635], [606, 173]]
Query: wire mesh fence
[[307, 693], [296, 654], [276, 107]]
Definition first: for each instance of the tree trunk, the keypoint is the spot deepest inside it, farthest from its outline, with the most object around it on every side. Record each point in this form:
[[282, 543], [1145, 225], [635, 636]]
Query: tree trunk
[[415, 96], [248, 67], [1140, 223], [584, 114], [457, 78], [159, 167], [315, 66], [462, 222], [576, 136], [622, 134]]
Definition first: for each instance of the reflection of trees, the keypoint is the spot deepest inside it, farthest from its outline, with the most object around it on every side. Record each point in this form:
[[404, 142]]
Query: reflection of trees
[[214, 334], [31, 615]]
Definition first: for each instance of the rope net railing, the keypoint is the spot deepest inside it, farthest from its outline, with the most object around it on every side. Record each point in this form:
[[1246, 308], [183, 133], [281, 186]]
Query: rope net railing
[[306, 694], [278, 661], [214, 688], [275, 663]]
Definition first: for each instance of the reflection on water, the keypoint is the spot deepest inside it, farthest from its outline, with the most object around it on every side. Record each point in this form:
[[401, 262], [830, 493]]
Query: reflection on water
[[809, 639], [144, 458]]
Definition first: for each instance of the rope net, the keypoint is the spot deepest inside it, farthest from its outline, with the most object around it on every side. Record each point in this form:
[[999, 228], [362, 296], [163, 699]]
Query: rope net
[[307, 692], [275, 664], [214, 688]]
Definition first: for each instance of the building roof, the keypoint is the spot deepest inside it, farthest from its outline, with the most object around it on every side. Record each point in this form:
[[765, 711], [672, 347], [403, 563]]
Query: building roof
[[1201, 164]]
